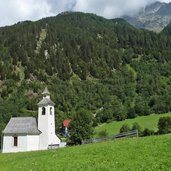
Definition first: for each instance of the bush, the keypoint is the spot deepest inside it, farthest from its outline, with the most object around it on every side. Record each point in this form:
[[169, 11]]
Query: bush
[[131, 113], [80, 128], [124, 128], [164, 125], [103, 133], [136, 126], [95, 122], [104, 116], [147, 132]]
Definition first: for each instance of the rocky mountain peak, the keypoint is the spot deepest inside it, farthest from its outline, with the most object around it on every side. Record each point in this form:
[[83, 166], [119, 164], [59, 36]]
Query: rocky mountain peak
[[152, 17]]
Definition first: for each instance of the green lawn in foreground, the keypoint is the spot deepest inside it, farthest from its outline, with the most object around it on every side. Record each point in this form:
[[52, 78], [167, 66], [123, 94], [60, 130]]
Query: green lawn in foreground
[[136, 154], [149, 122]]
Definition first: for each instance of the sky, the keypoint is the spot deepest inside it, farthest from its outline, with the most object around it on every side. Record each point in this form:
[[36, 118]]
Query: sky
[[13, 11]]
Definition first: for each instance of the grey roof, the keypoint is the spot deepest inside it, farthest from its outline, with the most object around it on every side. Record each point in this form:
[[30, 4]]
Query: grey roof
[[46, 91], [46, 101], [22, 125]]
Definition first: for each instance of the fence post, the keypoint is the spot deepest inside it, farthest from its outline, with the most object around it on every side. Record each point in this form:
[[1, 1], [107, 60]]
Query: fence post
[[137, 133]]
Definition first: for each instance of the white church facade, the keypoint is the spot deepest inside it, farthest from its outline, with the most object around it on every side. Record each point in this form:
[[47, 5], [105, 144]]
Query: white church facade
[[25, 134]]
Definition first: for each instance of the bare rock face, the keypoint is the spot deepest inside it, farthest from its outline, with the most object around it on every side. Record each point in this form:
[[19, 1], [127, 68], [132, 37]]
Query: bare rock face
[[154, 17]]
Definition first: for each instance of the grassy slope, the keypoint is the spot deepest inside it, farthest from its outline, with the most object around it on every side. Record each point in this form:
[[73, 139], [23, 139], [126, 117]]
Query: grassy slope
[[144, 121], [140, 154]]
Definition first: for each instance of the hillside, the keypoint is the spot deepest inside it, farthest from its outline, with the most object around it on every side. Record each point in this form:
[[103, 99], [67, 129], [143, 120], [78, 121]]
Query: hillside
[[87, 62], [149, 122], [152, 17], [167, 30], [150, 153]]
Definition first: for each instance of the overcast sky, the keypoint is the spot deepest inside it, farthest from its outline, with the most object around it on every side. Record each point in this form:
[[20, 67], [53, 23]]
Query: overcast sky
[[12, 11]]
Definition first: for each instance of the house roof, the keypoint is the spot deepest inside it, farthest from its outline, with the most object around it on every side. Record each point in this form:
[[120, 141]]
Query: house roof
[[66, 122], [22, 125], [46, 101]]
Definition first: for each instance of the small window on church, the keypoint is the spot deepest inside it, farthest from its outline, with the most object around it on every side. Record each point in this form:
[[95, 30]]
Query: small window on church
[[43, 110], [51, 111], [15, 141]]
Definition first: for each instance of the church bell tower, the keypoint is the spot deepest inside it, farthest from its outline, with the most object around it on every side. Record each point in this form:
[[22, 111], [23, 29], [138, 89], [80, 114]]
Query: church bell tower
[[46, 122]]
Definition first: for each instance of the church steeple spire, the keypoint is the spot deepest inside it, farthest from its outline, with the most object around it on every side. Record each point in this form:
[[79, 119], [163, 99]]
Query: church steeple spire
[[46, 98], [46, 91]]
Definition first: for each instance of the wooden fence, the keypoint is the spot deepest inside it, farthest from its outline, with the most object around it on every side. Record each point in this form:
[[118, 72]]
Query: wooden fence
[[133, 133]]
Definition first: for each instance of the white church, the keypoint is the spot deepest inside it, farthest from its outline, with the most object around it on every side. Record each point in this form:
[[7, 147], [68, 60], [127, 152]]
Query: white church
[[24, 134]]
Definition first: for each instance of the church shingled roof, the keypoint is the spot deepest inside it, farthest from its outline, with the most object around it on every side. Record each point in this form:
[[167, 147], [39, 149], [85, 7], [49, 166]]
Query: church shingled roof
[[46, 101], [22, 125]]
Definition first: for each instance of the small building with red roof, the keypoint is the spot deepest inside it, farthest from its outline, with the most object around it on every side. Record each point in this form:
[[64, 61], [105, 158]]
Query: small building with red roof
[[66, 124]]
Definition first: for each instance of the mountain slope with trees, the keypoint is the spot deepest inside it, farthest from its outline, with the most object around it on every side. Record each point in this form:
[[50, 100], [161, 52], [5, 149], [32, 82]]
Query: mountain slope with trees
[[106, 67], [167, 30]]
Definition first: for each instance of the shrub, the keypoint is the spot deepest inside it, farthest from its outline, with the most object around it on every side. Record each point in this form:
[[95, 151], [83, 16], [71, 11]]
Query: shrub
[[147, 132], [136, 126], [164, 125], [103, 133], [131, 113], [124, 128], [80, 128], [95, 122]]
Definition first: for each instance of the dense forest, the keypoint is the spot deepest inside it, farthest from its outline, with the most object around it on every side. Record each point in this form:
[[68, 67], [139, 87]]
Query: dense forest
[[105, 67]]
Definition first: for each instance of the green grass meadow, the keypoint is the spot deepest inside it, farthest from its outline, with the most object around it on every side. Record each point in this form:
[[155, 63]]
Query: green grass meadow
[[149, 122], [133, 154]]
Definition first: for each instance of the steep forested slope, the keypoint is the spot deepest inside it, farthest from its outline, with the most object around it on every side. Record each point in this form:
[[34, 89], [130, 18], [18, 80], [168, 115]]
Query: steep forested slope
[[167, 30], [104, 66]]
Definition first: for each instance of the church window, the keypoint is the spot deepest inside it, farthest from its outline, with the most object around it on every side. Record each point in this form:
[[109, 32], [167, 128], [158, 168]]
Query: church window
[[15, 141], [43, 110], [51, 111]]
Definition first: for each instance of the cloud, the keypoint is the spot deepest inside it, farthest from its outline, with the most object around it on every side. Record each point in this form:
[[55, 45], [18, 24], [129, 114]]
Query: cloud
[[12, 11], [165, 1], [111, 8]]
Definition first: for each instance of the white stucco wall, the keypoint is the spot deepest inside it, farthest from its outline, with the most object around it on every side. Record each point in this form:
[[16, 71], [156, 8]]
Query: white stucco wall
[[25, 143], [43, 127], [32, 142], [52, 138], [62, 144], [8, 144]]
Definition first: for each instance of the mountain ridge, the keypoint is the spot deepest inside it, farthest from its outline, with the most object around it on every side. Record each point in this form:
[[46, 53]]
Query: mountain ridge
[[153, 17]]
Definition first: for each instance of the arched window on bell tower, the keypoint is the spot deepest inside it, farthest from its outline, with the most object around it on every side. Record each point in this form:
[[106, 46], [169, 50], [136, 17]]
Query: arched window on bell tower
[[50, 110], [43, 110]]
